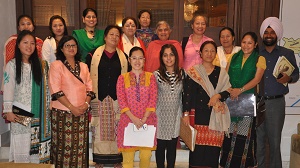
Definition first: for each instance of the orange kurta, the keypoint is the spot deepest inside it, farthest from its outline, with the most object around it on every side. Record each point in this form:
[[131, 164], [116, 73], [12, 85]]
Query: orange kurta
[[152, 54]]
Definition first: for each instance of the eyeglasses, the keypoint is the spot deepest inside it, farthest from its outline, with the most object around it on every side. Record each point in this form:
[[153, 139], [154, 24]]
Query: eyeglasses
[[68, 46], [137, 58]]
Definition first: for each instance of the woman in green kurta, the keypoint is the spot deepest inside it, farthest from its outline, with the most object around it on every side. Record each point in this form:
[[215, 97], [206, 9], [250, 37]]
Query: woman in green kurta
[[90, 37], [245, 72]]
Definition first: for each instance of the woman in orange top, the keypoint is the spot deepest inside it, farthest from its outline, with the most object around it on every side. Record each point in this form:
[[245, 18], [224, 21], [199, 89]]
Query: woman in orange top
[[24, 22]]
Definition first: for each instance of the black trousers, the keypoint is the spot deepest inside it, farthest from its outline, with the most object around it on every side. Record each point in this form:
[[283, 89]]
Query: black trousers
[[170, 146]]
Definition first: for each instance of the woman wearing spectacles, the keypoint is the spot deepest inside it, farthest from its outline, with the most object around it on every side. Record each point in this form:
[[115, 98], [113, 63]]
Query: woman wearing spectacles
[[71, 91], [128, 38], [137, 94], [89, 37], [106, 63]]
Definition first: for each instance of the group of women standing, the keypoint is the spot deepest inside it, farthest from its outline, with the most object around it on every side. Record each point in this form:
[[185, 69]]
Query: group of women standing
[[125, 77]]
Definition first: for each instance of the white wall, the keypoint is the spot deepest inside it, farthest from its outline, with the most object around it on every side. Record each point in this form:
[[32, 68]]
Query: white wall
[[291, 39], [7, 28]]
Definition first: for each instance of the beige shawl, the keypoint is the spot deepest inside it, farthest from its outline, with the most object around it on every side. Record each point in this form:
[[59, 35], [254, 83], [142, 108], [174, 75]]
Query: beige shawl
[[220, 116]]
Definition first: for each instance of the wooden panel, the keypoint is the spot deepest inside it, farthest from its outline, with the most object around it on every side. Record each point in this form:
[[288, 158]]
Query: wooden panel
[[242, 15], [180, 21]]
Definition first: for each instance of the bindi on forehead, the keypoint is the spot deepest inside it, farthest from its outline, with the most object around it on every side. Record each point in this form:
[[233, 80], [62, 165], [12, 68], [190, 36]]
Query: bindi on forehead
[[130, 22]]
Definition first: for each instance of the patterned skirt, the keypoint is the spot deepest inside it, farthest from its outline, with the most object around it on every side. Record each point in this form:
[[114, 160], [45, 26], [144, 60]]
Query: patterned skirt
[[69, 139], [240, 148], [105, 118], [207, 148]]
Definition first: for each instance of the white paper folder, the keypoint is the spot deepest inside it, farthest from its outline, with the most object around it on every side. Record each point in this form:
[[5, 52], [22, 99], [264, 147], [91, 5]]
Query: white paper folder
[[141, 138]]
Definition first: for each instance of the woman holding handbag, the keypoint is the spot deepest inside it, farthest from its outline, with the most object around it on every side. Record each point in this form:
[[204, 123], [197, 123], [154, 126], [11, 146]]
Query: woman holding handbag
[[25, 87], [246, 69]]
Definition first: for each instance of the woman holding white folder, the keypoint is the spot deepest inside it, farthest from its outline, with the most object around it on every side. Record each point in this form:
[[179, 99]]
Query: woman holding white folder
[[205, 90], [137, 96]]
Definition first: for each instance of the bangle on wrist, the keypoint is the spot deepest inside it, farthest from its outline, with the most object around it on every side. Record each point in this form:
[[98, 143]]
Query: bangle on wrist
[[185, 114], [242, 89], [69, 106], [87, 104]]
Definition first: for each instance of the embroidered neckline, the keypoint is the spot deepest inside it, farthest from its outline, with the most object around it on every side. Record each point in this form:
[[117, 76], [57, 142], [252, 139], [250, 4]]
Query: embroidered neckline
[[137, 83], [75, 71]]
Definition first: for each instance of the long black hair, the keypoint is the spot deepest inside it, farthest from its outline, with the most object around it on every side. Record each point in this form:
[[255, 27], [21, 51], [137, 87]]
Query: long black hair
[[33, 59], [60, 55], [162, 67]]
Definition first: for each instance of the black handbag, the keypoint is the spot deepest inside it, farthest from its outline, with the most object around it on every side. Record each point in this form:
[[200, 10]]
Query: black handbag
[[24, 116], [243, 106]]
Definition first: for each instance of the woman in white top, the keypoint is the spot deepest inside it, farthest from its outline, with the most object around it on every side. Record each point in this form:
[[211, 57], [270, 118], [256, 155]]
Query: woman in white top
[[227, 48], [128, 39], [58, 29]]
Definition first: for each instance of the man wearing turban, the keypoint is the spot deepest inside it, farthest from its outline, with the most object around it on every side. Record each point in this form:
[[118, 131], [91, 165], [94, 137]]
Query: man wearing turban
[[273, 90]]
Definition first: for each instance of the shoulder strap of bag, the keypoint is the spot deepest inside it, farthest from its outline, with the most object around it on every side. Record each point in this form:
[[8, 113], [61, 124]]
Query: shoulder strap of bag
[[184, 42]]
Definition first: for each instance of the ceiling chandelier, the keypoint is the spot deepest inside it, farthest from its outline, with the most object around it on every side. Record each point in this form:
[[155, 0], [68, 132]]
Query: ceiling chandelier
[[189, 8]]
